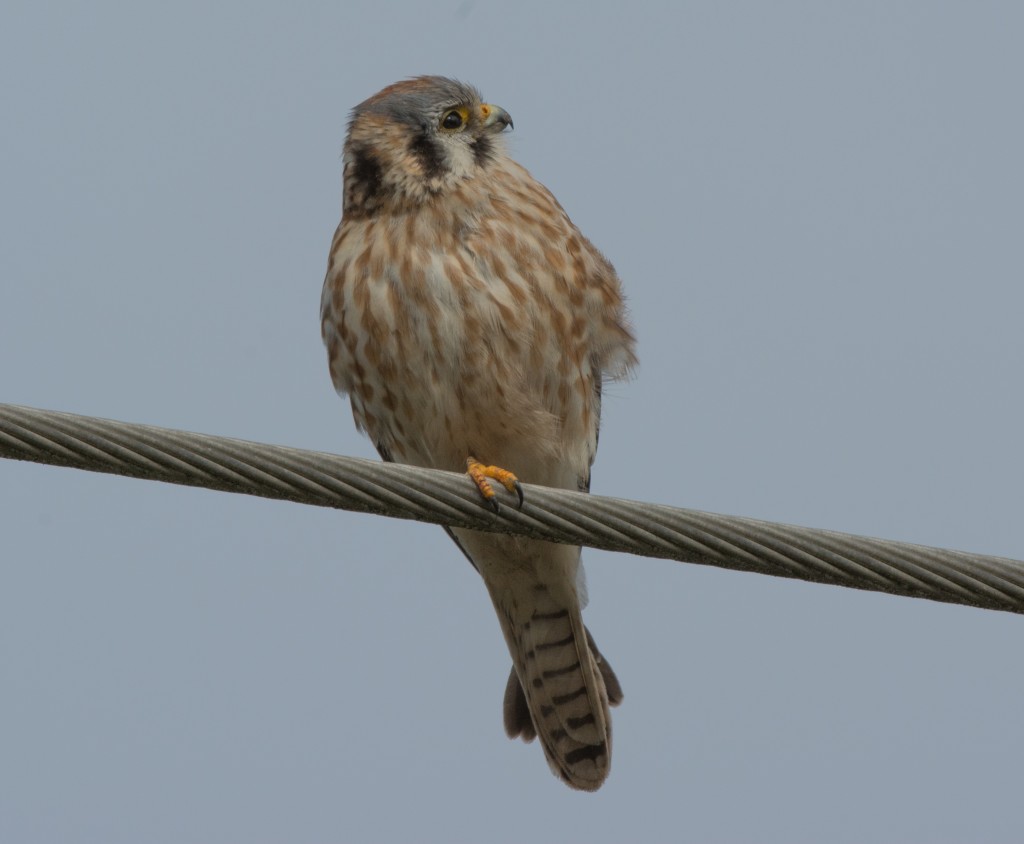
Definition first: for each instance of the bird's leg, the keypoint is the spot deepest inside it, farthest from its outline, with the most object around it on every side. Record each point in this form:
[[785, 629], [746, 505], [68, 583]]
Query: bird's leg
[[480, 473]]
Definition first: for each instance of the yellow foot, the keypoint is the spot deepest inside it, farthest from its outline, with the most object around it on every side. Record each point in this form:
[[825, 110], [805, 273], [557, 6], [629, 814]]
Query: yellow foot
[[480, 473]]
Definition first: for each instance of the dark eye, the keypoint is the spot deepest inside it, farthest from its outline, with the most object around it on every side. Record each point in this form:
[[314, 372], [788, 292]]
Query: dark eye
[[452, 120]]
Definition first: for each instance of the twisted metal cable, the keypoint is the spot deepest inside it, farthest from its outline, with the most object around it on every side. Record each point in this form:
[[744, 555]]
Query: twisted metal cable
[[405, 492]]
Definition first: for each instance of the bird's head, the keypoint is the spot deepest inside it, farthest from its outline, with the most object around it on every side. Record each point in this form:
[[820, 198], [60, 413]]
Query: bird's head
[[417, 139]]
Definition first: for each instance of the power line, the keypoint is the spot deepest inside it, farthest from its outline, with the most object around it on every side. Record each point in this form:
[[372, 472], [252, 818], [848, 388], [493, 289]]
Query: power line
[[406, 492]]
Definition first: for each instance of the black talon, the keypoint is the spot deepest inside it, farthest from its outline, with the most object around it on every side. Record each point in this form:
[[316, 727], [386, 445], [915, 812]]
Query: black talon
[[519, 492], [495, 506]]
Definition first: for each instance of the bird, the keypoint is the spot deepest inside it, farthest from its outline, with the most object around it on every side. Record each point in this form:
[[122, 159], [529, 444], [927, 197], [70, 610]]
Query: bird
[[472, 326]]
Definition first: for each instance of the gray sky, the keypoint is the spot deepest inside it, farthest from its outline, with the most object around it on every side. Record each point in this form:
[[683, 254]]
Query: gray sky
[[817, 212]]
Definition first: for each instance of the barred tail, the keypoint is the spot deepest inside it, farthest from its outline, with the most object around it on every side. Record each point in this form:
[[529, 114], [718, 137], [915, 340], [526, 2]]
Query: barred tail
[[561, 687], [560, 690]]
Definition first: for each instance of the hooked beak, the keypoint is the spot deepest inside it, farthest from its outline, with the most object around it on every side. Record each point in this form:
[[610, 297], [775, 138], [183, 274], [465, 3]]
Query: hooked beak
[[495, 118]]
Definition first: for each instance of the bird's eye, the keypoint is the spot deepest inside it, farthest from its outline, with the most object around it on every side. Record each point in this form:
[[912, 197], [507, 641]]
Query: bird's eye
[[452, 120]]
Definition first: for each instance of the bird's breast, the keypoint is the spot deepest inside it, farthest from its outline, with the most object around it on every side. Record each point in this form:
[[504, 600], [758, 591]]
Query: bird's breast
[[452, 338]]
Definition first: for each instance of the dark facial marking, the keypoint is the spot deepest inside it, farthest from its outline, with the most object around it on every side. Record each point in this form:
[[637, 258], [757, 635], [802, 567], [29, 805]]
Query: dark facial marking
[[483, 150], [363, 179], [429, 153]]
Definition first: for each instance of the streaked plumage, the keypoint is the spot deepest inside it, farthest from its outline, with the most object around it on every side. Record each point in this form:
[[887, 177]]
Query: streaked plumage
[[464, 314]]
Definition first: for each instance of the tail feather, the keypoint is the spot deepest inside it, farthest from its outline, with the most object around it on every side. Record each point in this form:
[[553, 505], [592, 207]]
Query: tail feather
[[611, 682], [560, 690], [561, 686], [519, 723]]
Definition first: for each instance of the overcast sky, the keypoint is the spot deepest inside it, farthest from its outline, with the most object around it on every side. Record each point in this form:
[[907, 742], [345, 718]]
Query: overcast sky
[[817, 210]]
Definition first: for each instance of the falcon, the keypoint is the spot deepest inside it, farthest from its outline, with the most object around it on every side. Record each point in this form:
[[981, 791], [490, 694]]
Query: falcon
[[472, 326]]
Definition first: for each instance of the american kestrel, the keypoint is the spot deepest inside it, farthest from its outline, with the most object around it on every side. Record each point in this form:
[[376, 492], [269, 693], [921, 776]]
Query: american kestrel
[[472, 325]]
